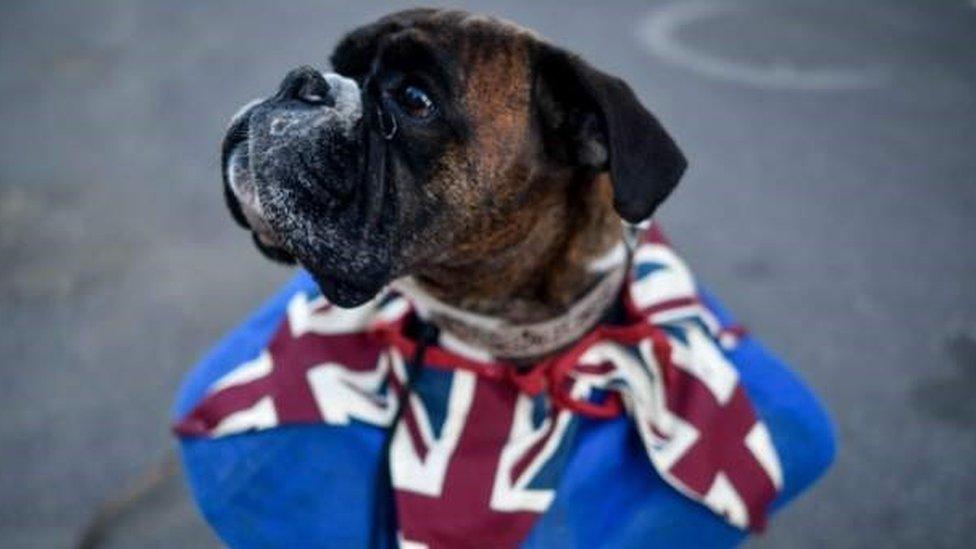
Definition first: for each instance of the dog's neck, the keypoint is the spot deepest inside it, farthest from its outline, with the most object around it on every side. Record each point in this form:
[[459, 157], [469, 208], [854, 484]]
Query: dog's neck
[[565, 268]]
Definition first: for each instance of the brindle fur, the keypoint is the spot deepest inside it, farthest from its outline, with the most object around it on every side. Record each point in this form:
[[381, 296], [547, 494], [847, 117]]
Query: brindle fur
[[530, 229]]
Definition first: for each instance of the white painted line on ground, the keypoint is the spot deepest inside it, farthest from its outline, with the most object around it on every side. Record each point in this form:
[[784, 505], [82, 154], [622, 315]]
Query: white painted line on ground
[[658, 33]]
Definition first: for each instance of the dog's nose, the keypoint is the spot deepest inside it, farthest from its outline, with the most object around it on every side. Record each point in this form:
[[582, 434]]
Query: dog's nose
[[306, 85]]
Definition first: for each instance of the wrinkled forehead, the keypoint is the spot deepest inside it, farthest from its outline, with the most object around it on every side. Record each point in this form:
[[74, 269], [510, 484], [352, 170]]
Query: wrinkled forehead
[[455, 43]]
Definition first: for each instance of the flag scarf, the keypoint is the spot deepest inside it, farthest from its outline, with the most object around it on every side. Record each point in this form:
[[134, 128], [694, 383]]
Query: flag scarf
[[481, 449]]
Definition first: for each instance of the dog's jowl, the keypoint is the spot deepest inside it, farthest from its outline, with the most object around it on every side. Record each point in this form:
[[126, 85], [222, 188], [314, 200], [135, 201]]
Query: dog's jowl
[[489, 344]]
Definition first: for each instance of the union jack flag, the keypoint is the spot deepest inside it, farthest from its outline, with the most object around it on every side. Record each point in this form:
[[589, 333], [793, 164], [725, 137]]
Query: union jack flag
[[480, 446]]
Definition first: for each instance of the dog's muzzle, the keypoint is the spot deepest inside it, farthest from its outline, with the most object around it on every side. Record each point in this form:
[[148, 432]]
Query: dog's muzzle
[[292, 141], [295, 173]]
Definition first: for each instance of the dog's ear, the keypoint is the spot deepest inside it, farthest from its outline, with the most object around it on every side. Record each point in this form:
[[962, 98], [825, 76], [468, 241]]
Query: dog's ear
[[593, 120]]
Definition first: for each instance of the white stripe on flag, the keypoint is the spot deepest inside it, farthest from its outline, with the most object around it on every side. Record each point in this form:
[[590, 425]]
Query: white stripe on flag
[[248, 371], [260, 416], [761, 445]]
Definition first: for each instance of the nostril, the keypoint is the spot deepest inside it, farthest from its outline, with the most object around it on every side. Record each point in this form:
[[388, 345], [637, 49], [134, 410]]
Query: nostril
[[307, 85]]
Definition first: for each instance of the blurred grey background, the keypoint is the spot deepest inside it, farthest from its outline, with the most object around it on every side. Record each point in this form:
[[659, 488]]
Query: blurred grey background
[[830, 202]]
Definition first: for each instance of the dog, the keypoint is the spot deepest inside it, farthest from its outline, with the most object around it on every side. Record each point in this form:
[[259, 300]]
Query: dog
[[465, 152], [470, 203]]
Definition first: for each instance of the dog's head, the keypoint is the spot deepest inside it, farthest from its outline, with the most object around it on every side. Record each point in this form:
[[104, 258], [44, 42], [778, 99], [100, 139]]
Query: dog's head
[[437, 137]]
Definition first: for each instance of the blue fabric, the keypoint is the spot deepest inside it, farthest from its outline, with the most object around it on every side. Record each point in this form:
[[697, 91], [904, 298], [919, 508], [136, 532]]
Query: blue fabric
[[312, 486]]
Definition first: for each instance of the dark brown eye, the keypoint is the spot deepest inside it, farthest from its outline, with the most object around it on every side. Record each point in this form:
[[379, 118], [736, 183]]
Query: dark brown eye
[[415, 102]]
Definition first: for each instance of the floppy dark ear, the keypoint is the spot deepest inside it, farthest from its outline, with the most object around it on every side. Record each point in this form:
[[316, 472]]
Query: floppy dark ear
[[593, 120]]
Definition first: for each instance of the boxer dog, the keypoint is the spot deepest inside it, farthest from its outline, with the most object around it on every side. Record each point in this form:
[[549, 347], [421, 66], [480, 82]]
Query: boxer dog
[[488, 165]]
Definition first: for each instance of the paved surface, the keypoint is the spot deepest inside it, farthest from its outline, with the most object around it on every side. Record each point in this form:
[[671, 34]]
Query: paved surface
[[830, 202]]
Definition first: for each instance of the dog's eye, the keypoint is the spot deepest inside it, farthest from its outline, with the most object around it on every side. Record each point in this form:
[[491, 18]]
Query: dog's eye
[[415, 102]]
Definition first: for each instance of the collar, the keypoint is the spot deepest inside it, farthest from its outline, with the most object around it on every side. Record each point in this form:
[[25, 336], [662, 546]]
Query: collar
[[495, 337], [500, 338]]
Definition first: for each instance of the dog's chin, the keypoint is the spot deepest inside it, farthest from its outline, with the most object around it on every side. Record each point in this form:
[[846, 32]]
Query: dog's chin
[[340, 285], [345, 293]]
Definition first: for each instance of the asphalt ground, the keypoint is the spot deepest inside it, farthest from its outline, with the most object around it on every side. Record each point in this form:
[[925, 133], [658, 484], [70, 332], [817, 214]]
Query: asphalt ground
[[829, 202]]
